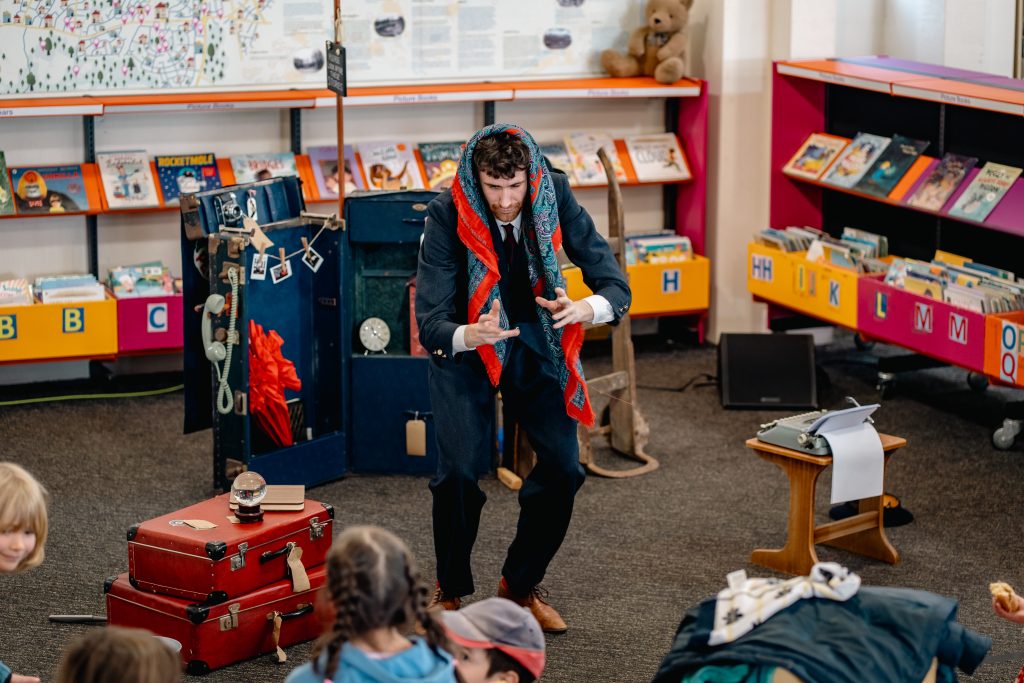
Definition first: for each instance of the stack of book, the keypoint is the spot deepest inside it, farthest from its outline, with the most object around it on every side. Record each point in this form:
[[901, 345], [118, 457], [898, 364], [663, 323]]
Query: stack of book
[[69, 288], [140, 280], [659, 248], [960, 282]]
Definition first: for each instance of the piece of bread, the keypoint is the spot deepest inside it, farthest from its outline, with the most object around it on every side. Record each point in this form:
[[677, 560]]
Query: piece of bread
[[1004, 595]]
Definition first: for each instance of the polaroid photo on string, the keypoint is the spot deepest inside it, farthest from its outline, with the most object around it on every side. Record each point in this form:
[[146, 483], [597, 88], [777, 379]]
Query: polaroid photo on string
[[312, 259], [259, 267], [282, 271]]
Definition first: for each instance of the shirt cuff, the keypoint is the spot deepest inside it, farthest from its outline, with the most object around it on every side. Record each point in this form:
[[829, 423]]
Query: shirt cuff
[[602, 309], [459, 339]]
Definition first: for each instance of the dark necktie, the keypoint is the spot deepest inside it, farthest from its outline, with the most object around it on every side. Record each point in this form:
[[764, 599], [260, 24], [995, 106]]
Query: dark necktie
[[510, 244]]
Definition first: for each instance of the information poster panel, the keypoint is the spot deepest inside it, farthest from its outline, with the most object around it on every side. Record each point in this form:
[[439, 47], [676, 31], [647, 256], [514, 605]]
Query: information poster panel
[[414, 41], [76, 47]]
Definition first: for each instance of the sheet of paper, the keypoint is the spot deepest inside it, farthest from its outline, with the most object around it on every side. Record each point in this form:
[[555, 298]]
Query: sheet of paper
[[858, 464]]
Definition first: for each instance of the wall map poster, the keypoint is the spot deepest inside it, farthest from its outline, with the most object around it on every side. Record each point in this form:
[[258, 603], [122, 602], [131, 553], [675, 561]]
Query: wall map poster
[[122, 46], [73, 47]]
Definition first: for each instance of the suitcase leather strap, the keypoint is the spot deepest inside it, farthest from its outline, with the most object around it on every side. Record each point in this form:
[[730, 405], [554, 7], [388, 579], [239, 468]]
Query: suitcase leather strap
[[300, 582]]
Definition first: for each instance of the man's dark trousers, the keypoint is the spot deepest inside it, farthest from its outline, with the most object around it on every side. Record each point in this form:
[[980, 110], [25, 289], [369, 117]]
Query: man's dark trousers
[[533, 397]]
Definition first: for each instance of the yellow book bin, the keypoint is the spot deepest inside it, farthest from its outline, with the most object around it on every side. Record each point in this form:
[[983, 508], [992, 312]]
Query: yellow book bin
[[85, 329], [787, 278], [659, 288]]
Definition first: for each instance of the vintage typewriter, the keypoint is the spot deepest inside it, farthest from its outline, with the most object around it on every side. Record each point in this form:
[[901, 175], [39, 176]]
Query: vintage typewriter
[[801, 432]]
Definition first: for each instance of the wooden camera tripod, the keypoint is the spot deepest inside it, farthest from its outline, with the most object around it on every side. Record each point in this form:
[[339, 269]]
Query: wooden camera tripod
[[626, 429]]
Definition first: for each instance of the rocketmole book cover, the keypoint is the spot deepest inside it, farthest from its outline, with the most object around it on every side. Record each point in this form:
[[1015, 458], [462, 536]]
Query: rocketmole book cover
[[186, 174]]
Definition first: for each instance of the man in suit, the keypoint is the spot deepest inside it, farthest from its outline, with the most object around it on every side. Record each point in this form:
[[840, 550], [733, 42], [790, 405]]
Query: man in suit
[[493, 313]]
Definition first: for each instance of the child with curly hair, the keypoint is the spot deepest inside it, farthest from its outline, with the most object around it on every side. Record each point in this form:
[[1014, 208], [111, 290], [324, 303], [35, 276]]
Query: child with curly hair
[[378, 597]]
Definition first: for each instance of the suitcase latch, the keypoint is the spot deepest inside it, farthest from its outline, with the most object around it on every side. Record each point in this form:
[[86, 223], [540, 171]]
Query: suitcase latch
[[230, 620], [238, 560], [316, 529]]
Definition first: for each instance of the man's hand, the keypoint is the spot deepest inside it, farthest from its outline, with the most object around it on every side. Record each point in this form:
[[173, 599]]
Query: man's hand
[[487, 329], [18, 678], [564, 311]]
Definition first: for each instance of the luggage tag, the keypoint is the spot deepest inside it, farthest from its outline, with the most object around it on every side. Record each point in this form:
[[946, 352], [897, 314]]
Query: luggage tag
[[416, 436], [276, 618], [300, 581]]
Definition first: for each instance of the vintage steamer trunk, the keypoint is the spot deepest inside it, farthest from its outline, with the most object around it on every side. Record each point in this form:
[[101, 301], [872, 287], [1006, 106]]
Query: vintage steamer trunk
[[212, 566], [300, 303], [215, 636]]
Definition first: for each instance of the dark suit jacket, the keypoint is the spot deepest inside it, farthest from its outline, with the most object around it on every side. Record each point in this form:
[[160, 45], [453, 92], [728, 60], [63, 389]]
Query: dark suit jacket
[[442, 280]]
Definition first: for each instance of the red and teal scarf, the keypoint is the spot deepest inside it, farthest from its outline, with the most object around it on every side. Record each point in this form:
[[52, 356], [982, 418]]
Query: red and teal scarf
[[542, 240]]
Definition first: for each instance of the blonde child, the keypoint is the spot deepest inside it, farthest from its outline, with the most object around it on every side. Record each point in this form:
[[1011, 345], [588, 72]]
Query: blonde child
[[23, 528], [378, 597], [119, 655]]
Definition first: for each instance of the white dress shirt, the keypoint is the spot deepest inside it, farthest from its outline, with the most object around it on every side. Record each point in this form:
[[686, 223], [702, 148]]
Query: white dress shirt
[[602, 309]]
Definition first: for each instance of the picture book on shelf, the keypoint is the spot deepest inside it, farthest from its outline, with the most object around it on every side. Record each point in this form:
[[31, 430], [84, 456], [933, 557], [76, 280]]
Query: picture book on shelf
[[186, 174], [49, 189], [141, 280], [942, 182], [127, 179], [324, 161], [657, 158], [6, 194], [440, 162], [586, 165], [815, 155], [249, 168], [891, 166], [558, 156], [855, 160], [389, 165], [985, 191], [16, 292]]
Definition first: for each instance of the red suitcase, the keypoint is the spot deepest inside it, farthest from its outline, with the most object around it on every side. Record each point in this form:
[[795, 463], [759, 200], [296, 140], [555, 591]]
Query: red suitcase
[[215, 636], [214, 565]]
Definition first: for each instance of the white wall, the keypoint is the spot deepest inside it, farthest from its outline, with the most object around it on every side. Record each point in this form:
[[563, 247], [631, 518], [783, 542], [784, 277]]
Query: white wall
[[966, 34]]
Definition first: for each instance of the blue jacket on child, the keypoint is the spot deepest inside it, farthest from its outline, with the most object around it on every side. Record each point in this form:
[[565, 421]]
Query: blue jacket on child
[[419, 664]]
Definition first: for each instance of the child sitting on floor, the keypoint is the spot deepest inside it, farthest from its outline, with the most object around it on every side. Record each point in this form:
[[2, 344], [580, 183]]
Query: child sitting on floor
[[119, 655], [23, 528], [378, 596], [495, 641]]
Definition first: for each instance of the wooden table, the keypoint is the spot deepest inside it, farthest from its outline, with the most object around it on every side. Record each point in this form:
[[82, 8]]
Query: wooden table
[[862, 533]]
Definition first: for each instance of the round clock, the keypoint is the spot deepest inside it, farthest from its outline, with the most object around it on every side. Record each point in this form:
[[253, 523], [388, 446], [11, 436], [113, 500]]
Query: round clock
[[374, 334]]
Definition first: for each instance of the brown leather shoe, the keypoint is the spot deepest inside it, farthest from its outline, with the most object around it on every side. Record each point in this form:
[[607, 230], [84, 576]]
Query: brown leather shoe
[[442, 601], [549, 619]]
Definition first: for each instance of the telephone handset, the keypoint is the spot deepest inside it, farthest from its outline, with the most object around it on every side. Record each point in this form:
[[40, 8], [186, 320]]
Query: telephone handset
[[215, 351]]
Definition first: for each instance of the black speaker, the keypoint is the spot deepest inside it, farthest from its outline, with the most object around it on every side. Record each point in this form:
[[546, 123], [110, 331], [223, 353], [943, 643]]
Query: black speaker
[[767, 371]]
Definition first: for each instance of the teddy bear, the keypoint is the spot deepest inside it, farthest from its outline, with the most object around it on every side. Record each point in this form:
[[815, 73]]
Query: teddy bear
[[656, 49]]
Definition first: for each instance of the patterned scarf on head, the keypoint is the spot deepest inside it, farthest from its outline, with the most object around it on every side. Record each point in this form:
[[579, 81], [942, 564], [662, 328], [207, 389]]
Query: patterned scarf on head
[[542, 240]]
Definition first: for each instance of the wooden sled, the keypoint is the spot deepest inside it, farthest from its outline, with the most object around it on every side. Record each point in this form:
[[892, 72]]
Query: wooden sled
[[626, 429]]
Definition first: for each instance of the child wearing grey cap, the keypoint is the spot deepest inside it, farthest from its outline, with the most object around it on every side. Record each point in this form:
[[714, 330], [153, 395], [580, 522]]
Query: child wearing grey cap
[[495, 641]]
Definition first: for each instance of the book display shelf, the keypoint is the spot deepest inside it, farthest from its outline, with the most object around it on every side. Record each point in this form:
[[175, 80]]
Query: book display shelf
[[958, 112], [136, 326]]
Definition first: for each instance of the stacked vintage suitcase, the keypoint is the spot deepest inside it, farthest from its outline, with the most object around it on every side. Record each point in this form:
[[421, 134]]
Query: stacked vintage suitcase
[[227, 592]]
